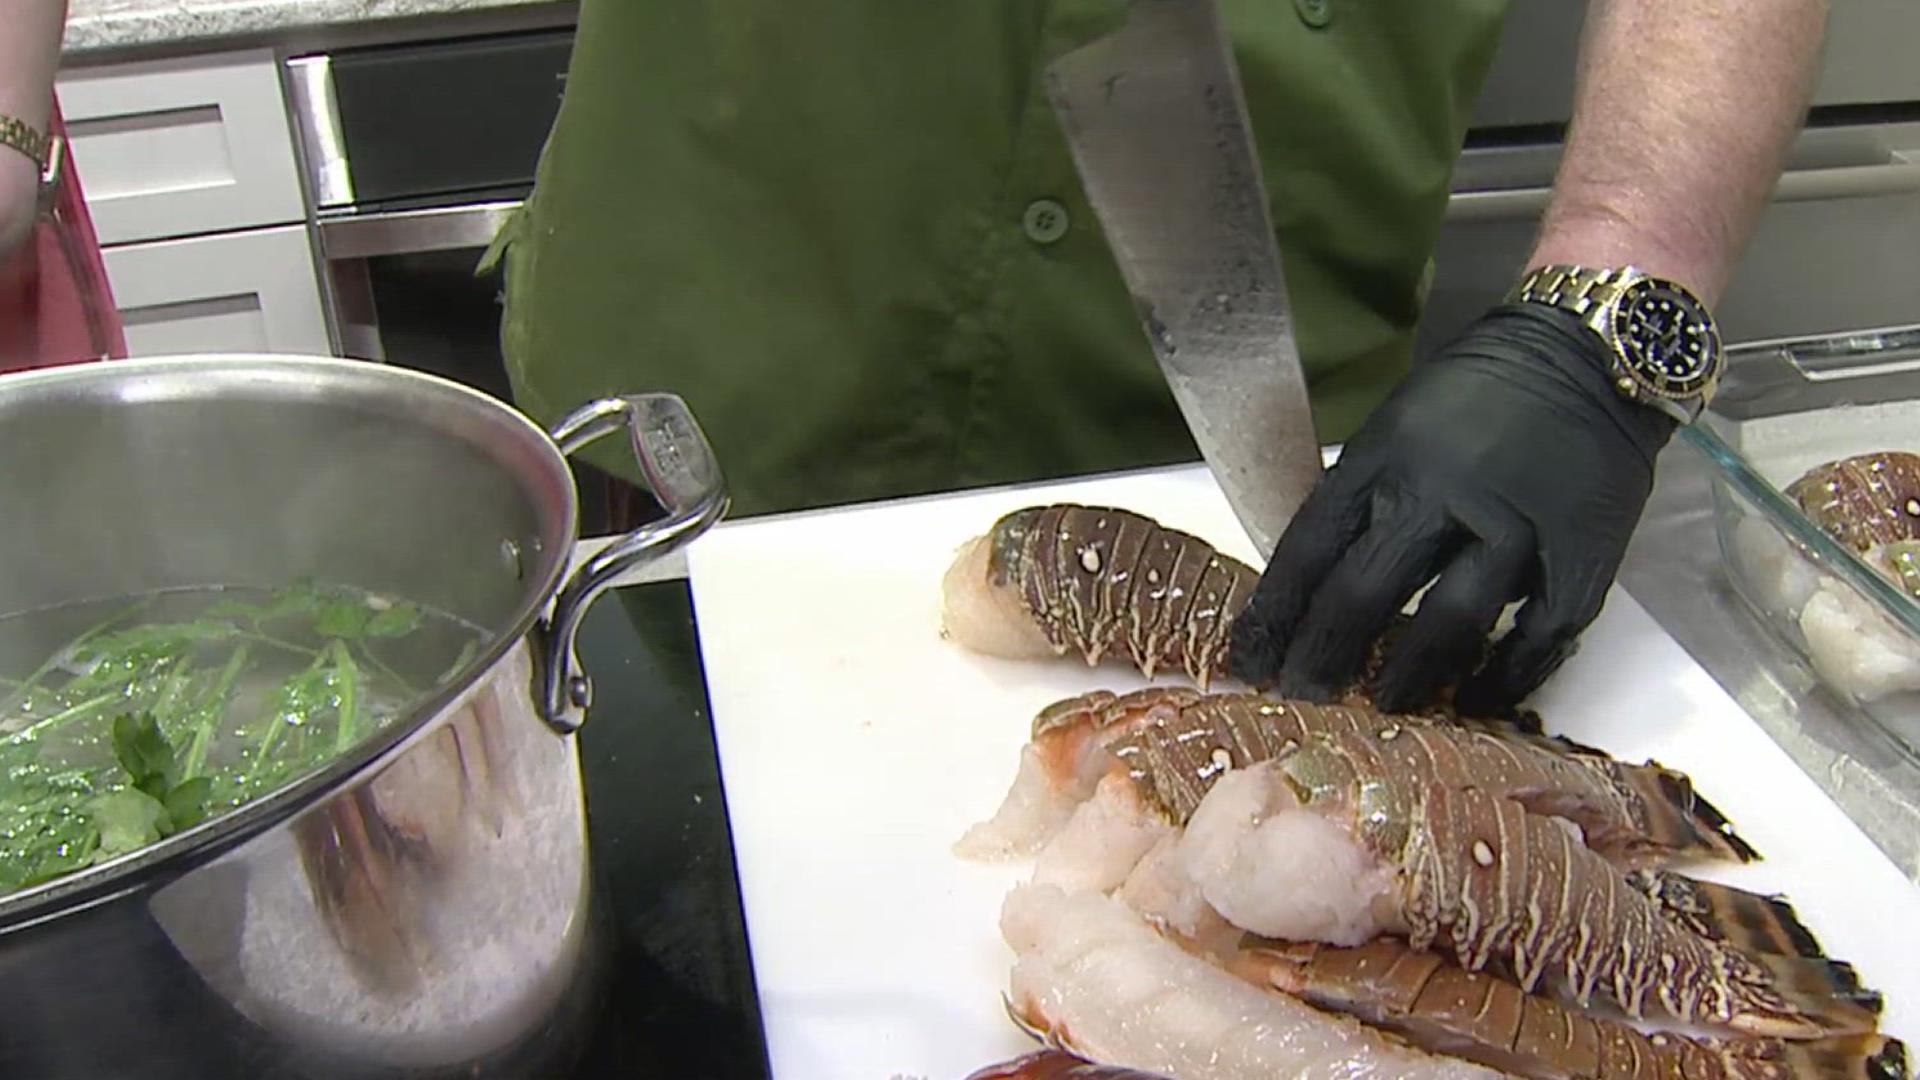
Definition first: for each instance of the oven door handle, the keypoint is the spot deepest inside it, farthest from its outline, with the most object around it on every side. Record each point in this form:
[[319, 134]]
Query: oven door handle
[[407, 232], [1897, 175]]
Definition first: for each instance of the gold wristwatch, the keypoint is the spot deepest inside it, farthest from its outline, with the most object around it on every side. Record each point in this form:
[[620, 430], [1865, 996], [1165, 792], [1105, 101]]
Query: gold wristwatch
[[1663, 348]]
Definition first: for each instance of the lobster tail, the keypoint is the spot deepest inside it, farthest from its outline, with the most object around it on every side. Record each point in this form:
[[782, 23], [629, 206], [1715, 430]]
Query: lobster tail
[[1750, 922], [1850, 1057], [1826, 993], [1680, 823], [1766, 930], [1486, 1018]]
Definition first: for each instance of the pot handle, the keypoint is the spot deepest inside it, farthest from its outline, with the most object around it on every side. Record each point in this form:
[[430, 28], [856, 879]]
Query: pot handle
[[680, 471]]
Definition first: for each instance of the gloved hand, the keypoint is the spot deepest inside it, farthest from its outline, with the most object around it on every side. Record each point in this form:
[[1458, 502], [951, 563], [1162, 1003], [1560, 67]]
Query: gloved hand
[[1507, 465]]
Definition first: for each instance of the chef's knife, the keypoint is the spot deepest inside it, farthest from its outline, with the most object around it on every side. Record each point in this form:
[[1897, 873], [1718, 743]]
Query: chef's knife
[[1157, 124]]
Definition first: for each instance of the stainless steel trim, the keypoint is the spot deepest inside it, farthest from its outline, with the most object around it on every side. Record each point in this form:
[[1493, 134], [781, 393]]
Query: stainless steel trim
[[402, 232], [316, 115], [1898, 176]]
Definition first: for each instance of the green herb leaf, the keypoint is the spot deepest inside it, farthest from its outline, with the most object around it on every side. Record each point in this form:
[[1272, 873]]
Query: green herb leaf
[[398, 620], [235, 609], [343, 619], [142, 641], [142, 749], [186, 803], [347, 682], [59, 855], [128, 820], [301, 598]]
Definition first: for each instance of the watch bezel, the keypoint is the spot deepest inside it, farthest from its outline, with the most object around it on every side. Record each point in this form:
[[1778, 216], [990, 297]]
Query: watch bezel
[[1616, 323]]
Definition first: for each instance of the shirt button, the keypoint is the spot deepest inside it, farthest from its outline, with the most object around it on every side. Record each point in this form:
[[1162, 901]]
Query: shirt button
[[1314, 13], [1045, 221]]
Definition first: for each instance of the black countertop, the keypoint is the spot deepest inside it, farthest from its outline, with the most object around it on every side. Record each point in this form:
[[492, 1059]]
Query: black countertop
[[681, 1001]]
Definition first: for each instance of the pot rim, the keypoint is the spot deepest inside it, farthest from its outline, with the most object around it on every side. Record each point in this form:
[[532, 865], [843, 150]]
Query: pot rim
[[182, 851]]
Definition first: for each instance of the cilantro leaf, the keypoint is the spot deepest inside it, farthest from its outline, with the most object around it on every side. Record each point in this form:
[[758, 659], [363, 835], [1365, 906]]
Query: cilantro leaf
[[398, 620], [156, 638], [142, 749], [343, 619], [128, 820], [302, 598], [186, 803]]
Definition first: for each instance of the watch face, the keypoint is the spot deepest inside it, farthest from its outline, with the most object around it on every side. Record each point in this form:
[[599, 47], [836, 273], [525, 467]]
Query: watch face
[[1667, 339]]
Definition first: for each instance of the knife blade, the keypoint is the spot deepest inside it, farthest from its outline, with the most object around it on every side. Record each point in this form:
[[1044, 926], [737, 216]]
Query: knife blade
[[1157, 124]]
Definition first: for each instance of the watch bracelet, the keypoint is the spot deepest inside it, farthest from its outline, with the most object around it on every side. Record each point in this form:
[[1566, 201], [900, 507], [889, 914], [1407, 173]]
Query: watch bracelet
[[1578, 289], [27, 139]]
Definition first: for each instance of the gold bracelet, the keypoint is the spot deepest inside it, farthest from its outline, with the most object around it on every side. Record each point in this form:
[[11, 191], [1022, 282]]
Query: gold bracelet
[[23, 137]]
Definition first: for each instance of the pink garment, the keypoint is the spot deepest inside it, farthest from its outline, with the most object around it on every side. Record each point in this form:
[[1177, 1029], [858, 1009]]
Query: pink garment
[[55, 304]]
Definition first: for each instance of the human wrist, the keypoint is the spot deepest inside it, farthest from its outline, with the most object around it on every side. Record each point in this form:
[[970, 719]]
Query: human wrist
[[1609, 239]]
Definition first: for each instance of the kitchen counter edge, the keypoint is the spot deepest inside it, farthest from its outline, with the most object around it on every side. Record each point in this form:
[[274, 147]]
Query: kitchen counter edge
[[126, 29]]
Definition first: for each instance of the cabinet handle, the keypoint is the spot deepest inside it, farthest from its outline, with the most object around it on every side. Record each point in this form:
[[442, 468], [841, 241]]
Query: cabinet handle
[[404, 232]]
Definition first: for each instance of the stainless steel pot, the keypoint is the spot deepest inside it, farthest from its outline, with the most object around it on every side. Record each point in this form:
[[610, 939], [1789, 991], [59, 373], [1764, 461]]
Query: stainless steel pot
[[422, 906]]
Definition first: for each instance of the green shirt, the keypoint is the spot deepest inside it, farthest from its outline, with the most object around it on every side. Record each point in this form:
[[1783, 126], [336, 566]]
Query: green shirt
[[851, 236]]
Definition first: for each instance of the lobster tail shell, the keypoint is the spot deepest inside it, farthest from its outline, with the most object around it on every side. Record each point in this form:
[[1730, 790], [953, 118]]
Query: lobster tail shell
[[1865, 500], [1101, 580], [1856, 1057], [1678, 821], [1826, 991], [1755, 924], [1484, 1018]]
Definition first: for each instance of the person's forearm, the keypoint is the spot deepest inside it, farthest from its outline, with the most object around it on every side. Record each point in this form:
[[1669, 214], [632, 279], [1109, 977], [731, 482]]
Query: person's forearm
[[1682, 120], [29, 55]]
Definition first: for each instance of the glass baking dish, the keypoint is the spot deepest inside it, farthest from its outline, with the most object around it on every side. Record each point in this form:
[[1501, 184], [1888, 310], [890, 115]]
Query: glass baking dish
[[1784, 407]]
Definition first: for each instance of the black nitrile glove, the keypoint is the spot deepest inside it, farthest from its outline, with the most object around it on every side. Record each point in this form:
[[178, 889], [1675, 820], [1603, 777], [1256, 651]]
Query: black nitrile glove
[[1508, 466]]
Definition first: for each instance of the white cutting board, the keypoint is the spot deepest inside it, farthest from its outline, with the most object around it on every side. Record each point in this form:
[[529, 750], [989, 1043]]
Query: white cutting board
[[856, 745]]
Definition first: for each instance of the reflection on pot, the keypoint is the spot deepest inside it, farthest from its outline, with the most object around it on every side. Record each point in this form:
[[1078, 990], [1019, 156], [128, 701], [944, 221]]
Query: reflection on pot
[[426, 917]]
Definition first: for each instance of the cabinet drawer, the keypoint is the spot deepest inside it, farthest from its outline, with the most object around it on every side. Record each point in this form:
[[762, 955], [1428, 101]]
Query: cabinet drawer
[[252, 291], [180, 147]]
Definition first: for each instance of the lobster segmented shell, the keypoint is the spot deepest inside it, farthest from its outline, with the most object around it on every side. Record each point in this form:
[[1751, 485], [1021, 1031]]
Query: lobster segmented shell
[[1484, 1018], [1481, 876], [1176, 742], [1098, 581], [1863, 501]]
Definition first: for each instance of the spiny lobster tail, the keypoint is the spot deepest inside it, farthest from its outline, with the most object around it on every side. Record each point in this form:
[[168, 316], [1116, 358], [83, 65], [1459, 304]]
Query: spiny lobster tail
[[1486, 1018], [1761, 925], [1102, 582], [1849, 1057], [1828, 991], [1694, 826]]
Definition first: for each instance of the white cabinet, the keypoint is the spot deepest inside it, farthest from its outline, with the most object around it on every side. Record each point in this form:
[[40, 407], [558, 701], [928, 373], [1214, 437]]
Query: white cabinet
[[251, 291], [189, 173], [182, 147]]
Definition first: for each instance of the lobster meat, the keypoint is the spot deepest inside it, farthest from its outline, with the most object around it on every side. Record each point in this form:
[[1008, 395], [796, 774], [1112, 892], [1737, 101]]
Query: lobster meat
[[1475, 889], [1533, 856], [1178, 741], [1093, 978]]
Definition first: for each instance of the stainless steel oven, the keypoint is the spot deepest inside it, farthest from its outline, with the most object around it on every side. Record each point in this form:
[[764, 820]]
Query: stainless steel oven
[[415, 154]]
